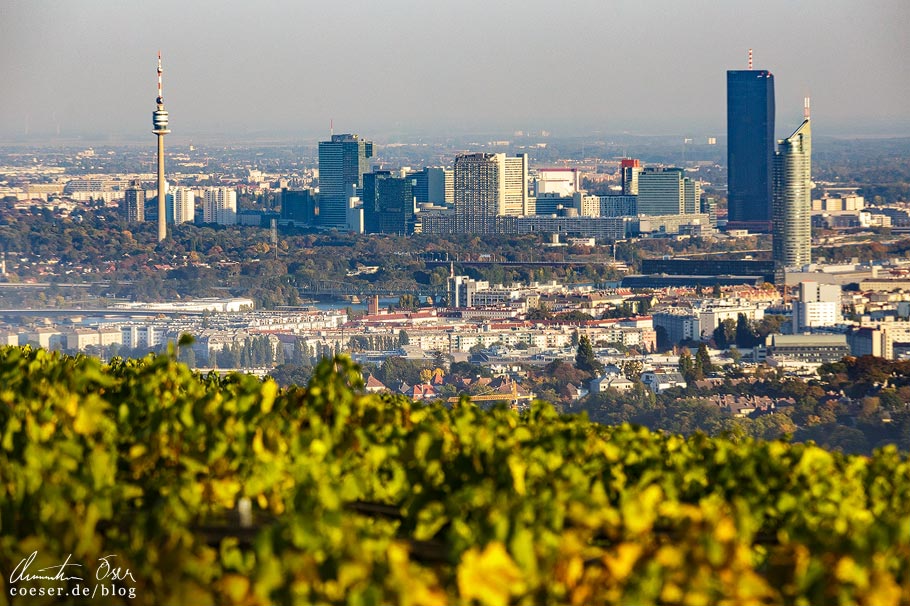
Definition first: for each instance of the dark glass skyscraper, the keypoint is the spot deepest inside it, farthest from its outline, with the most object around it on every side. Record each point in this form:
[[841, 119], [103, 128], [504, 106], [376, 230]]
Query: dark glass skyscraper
[[388, 203], [750, 148], [342, 163]]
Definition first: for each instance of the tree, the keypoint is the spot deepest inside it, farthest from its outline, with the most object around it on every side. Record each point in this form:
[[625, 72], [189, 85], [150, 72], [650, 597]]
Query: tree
[[686, 365], [703, 363], [725, 333], [632, 369], [584, 357], [538, 313], [744, 335], [403, 338]]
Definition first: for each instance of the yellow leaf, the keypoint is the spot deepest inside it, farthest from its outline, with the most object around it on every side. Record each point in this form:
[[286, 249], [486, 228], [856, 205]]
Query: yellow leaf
[[621, 563], [269, 391], [490, 577], [518, 467], [234, 587]]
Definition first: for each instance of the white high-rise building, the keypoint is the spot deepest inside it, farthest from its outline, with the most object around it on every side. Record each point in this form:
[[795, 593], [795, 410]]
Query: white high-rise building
[[818, 305], [219, 205], [182, 205], [791, 242]]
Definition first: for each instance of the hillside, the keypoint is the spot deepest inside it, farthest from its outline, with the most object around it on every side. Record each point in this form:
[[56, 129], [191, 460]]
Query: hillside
[[231, 491]]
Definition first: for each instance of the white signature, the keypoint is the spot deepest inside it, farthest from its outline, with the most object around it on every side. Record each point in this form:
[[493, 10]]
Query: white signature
[[104, 571]]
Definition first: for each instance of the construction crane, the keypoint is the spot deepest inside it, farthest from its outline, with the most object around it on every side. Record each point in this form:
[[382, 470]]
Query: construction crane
[[513, 398]]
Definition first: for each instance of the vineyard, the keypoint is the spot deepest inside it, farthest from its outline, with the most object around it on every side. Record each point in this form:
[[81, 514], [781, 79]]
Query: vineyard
[[227, 490]]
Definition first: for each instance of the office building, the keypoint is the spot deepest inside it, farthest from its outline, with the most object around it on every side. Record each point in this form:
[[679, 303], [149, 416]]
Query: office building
[[792, 226], [298, 207], [388, 203], [134, 203], [489, 186], [667, 191], [434, 184], [563, 182], [630, 168], [750, 148], [342, 163], [219, 205], [806, 349]]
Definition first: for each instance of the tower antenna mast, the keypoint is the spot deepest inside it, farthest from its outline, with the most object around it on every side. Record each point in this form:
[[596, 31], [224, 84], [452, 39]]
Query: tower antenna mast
[[159, 128], [750, 59]]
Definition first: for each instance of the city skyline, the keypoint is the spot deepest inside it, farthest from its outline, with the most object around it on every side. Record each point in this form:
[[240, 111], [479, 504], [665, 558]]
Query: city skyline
[[404, 68]]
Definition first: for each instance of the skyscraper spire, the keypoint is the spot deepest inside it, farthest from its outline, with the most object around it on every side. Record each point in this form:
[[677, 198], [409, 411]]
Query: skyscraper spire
[[806, 108], [750, 59]]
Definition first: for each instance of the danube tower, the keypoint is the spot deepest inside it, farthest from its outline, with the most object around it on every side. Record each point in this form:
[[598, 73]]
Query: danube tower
[[159, 122]]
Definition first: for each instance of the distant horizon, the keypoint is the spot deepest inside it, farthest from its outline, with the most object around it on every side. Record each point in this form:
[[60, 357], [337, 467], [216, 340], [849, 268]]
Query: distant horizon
[[402, 68], [381, 138]]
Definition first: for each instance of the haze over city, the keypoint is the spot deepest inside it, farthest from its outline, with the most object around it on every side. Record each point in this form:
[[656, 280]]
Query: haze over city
[[402, 68]]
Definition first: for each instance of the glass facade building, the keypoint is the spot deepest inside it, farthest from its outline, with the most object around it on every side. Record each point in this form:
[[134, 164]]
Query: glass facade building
[[342, 162], [750, 147], [792, 225]]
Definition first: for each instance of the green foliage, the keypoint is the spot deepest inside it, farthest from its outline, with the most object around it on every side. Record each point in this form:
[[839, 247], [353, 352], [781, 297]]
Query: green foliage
[[585, 360], [363, 499]]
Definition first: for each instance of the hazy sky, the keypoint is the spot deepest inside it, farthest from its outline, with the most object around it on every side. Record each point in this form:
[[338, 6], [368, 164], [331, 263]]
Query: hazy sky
[[378, 68]]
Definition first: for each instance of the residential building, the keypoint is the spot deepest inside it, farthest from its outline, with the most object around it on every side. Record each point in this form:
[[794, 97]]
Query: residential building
[[677, 325], [219, 205], [604, 206], [818, 305], [489, 186], [342, 163], [750, 148], [181, 207], [134, 203], [792, 227], [661, 380]]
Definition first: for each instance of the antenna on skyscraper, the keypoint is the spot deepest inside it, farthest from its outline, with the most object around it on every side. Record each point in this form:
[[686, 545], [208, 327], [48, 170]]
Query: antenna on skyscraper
[[331, 127], [750, 58], [806, 108]]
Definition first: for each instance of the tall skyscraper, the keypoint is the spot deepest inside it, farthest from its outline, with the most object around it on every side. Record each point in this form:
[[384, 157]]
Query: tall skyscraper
[[159, 124], [792, 229], [342, 162], [667, 191], [134, 203], [630, 169], [219, 205], [388, 203], [489, 186], [750, 147]]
